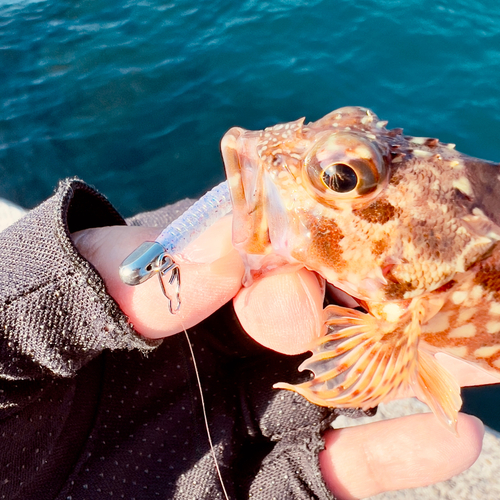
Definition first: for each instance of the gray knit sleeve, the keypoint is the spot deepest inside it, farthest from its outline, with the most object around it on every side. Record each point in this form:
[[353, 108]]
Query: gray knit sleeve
[[55, 312], [291, 469]]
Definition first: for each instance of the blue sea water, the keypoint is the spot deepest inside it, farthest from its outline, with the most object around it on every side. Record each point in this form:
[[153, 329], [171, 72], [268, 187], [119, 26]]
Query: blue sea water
[[134, 96]]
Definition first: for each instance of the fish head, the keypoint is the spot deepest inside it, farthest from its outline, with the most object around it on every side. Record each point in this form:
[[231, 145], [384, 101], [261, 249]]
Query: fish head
[[380, 215]]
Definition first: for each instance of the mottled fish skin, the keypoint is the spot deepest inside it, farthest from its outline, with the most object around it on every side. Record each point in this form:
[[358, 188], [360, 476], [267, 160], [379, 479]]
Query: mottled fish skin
[[407, 226]]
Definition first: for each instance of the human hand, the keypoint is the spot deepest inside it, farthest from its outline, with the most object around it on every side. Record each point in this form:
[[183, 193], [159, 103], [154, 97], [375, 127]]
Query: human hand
[[211, 273], [357, 462]]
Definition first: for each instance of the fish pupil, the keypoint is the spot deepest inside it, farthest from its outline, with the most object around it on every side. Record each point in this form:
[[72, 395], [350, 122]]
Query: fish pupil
[[340, 178]]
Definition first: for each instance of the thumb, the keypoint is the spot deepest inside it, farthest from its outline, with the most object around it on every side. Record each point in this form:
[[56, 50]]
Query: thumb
[[206, 286], [283, 312]]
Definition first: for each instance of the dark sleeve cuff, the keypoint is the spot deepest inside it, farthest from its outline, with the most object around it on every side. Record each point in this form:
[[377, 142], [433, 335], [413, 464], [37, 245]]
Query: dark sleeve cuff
[[55, 312], [291, 469]]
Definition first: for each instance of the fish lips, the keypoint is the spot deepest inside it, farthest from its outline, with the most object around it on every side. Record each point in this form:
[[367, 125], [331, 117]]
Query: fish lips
[[245, 174]]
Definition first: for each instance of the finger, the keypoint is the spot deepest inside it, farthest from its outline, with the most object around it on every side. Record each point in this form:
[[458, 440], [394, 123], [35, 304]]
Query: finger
[[283, 312], [407, 452], [208, 283]]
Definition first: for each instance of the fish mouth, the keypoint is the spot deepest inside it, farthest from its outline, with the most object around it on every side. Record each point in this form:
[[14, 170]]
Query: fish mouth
[[244, 172], [261, 231], [231, 145]]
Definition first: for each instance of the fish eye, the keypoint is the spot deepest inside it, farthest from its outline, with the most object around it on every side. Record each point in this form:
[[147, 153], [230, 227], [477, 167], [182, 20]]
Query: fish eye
[[344, 166], [339, 177]]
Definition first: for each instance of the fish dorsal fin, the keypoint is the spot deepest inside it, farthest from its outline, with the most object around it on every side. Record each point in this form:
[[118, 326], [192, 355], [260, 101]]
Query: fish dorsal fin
[[363, 360]]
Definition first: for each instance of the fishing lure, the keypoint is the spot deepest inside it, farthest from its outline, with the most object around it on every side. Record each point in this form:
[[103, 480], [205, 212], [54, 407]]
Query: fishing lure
[[156, 257]]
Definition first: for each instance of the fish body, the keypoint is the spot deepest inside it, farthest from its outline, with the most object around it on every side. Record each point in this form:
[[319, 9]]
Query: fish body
[[406, 226]]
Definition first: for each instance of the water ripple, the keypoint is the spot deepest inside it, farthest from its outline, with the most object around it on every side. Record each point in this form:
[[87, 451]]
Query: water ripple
[[90, 84]]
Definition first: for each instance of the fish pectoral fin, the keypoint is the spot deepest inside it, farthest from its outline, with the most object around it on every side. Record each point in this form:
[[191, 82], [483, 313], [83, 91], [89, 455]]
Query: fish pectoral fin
[[437, 388], [361, 361]]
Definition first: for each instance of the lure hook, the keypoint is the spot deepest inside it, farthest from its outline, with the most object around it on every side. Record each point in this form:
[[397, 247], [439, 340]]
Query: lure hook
[[149, 259], [175, 281]]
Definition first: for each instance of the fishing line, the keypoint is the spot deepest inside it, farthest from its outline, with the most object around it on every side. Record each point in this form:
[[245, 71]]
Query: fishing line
[[205, 418]]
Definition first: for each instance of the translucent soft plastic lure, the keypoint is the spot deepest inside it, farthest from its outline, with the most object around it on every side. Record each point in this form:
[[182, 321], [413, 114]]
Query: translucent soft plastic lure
[[157, 257]]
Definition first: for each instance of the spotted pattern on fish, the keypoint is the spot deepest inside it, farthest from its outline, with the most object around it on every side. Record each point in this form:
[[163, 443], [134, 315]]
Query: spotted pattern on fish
[[378, 212], [408, 226], [326, 238]]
